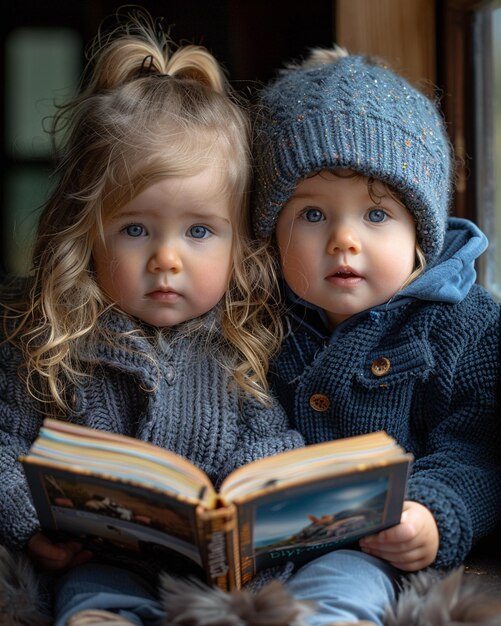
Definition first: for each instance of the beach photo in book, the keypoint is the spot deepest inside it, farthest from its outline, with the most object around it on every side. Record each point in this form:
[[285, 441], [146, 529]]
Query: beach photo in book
[[316, 518], [118, 493], [321, 517]]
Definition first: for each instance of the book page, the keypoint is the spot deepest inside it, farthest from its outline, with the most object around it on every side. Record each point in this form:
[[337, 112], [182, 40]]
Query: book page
[[125, 458], [310, 462]]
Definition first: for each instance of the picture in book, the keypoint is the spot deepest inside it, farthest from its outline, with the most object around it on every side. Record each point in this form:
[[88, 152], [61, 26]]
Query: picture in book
[[319, 518], [121, 517]]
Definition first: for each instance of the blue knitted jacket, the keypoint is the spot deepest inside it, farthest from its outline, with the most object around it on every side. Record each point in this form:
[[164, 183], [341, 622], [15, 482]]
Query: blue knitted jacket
[[191, 408], [438, 398]]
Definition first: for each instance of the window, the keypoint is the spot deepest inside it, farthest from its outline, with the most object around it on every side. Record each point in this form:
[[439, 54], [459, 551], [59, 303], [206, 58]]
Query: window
[[488, 136], [40, 66], [471, 68]]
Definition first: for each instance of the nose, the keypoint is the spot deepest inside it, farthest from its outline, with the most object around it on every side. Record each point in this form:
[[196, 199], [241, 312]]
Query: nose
[[165, 258], [344, 238]]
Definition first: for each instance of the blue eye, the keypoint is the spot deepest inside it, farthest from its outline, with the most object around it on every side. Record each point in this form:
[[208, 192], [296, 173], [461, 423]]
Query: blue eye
[[135, 230], [199, 232], [313, 215], [377, 215]]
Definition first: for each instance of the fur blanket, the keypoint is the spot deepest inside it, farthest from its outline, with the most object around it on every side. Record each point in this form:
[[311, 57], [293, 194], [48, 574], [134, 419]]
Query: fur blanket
[[427, 599], [20, 597]]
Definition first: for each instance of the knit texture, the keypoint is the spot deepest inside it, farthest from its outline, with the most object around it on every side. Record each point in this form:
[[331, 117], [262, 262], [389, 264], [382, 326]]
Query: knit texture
[[184, 403], [438, 400], [355, 114]]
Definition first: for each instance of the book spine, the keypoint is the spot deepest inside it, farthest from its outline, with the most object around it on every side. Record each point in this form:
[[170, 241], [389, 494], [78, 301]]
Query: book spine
[[245, 527], [218, 543]]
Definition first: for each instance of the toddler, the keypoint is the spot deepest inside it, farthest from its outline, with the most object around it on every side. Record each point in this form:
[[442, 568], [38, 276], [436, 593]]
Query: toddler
[[387, 329], [148, 311]]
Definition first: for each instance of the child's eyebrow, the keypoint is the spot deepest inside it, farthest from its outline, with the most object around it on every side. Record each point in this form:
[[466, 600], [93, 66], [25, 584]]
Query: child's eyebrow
[[121, 214], [304, 194], [204, 216], [194, 215]]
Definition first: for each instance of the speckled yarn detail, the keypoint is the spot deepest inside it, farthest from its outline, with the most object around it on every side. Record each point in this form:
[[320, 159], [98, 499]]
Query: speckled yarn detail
[[353, 113]]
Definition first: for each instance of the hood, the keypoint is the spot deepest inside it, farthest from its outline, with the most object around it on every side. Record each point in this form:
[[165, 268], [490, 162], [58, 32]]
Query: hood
[[453, 274]]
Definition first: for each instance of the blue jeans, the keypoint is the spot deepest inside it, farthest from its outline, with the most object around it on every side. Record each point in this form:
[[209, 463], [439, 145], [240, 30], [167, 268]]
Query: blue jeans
[[107, 587], [346, 585]]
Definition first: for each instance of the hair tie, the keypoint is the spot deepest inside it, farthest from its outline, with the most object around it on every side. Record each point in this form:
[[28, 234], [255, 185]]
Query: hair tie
[[147, 68]]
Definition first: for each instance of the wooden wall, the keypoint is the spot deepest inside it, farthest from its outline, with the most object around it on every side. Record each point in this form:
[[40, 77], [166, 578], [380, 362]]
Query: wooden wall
[[400, 31]]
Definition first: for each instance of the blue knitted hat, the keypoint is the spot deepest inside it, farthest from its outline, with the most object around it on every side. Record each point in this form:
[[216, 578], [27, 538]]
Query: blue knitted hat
[[339, 110]]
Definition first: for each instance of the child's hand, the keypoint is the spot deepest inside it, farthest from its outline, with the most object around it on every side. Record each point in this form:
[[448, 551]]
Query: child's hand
[[409, 546], [56, 556]]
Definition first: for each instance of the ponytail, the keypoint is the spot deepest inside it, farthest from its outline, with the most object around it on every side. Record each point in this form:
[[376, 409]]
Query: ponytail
[[140, 48]]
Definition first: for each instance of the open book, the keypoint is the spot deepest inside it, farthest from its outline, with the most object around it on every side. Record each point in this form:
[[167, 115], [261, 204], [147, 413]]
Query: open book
[[121, 493]]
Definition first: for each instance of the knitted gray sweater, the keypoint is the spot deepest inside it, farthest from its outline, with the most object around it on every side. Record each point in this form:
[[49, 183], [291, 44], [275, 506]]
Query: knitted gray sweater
[[185, 404]]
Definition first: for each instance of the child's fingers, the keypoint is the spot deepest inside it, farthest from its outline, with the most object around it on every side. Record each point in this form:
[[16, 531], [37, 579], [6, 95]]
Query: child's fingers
[[71, 547], [81, 557], [49, 555], [398, 534], [42, 547]]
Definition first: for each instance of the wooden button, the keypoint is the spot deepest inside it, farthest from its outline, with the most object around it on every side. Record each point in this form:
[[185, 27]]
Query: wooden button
[[381, 366], [319, 402]]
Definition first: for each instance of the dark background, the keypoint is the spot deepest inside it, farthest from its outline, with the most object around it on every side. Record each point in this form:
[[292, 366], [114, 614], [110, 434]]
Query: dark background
[[250, 38]]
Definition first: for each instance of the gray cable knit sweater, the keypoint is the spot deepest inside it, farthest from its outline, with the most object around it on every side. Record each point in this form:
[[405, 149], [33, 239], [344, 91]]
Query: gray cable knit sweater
[[190, 408]]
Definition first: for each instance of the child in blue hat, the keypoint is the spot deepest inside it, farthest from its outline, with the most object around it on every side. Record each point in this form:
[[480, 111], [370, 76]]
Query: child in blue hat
[[387, 328]]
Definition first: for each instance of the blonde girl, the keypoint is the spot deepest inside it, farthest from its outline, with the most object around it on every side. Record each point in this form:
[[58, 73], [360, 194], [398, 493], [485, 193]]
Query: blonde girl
[[148, 311]]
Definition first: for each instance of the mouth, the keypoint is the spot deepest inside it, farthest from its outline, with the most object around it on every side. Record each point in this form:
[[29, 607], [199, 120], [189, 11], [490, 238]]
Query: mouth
[[345, 276], [164, 294]]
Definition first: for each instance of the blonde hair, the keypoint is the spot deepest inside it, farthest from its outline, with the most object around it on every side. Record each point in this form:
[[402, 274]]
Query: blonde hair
[[142, 114]]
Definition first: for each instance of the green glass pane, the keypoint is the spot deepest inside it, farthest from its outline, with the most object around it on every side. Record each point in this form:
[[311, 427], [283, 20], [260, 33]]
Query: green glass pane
[[42, 65], [26, 190]]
